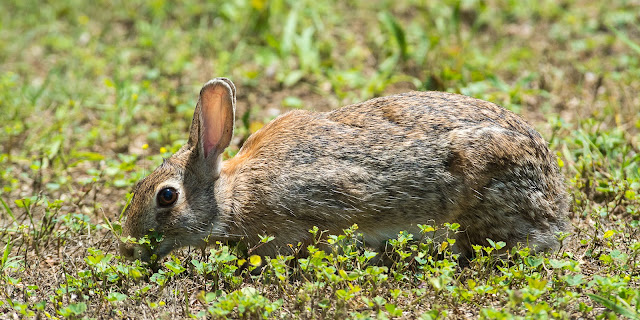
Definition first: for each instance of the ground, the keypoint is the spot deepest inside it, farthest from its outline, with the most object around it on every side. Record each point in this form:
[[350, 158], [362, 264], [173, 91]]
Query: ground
[[94, 95]]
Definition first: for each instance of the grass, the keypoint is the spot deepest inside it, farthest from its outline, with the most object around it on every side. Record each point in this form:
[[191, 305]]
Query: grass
[[93, 95]]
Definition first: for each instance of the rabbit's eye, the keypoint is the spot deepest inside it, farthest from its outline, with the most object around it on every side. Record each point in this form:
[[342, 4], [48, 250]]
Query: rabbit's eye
[[167, 197]]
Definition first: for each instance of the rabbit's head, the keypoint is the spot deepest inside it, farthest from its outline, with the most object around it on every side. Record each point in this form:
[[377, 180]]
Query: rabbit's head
[[175, 205]]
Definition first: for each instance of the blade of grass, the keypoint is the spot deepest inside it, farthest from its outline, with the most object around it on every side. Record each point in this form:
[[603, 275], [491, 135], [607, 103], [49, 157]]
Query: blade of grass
[[614, 307], [5, 254], [625, 39], [8, 210], [392, 24], [288, 33]]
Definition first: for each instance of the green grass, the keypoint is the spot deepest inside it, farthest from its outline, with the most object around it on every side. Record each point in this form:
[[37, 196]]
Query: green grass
[[93, 95]]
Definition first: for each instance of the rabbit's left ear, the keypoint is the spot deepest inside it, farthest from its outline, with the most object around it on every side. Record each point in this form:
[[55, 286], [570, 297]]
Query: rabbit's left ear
[[213, 119]]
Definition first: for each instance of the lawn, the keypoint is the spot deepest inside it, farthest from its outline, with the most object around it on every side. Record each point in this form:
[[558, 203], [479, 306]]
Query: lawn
[[93, 95]]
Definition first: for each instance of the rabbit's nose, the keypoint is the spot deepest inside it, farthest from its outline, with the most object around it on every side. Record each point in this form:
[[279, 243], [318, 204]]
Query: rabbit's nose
[[134, 251], [127, 251]]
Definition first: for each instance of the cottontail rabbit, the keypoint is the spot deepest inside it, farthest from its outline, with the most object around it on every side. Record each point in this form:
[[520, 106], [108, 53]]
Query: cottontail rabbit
[[386, 164]]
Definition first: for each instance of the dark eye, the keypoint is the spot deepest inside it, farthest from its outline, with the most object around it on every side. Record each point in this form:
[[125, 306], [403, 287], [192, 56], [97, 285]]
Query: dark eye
[[167, 197]]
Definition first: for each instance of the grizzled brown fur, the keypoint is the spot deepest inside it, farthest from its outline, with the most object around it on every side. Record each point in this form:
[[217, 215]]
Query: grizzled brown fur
[[386, 164]]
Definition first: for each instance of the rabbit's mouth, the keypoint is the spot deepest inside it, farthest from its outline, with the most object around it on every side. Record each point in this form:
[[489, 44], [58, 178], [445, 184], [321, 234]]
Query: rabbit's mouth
[[145, 252], [162, 250]]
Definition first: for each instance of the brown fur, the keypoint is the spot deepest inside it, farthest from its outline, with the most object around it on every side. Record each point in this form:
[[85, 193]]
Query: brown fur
[[386, 164]]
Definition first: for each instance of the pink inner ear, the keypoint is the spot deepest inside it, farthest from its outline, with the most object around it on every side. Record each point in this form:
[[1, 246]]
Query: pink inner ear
[[213, 114]]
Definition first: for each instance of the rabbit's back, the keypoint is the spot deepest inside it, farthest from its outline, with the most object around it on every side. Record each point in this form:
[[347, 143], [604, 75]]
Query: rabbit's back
[[391, 163]]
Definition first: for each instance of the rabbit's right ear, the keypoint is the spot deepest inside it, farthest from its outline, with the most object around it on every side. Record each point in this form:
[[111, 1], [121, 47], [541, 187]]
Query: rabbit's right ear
[[212, 126]]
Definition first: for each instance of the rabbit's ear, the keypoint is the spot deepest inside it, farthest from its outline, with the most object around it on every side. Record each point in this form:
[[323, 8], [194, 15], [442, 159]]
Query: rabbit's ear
[[212, 126]]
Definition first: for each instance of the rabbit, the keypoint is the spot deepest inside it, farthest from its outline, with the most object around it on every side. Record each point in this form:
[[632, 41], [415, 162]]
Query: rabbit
[[386, 164]]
